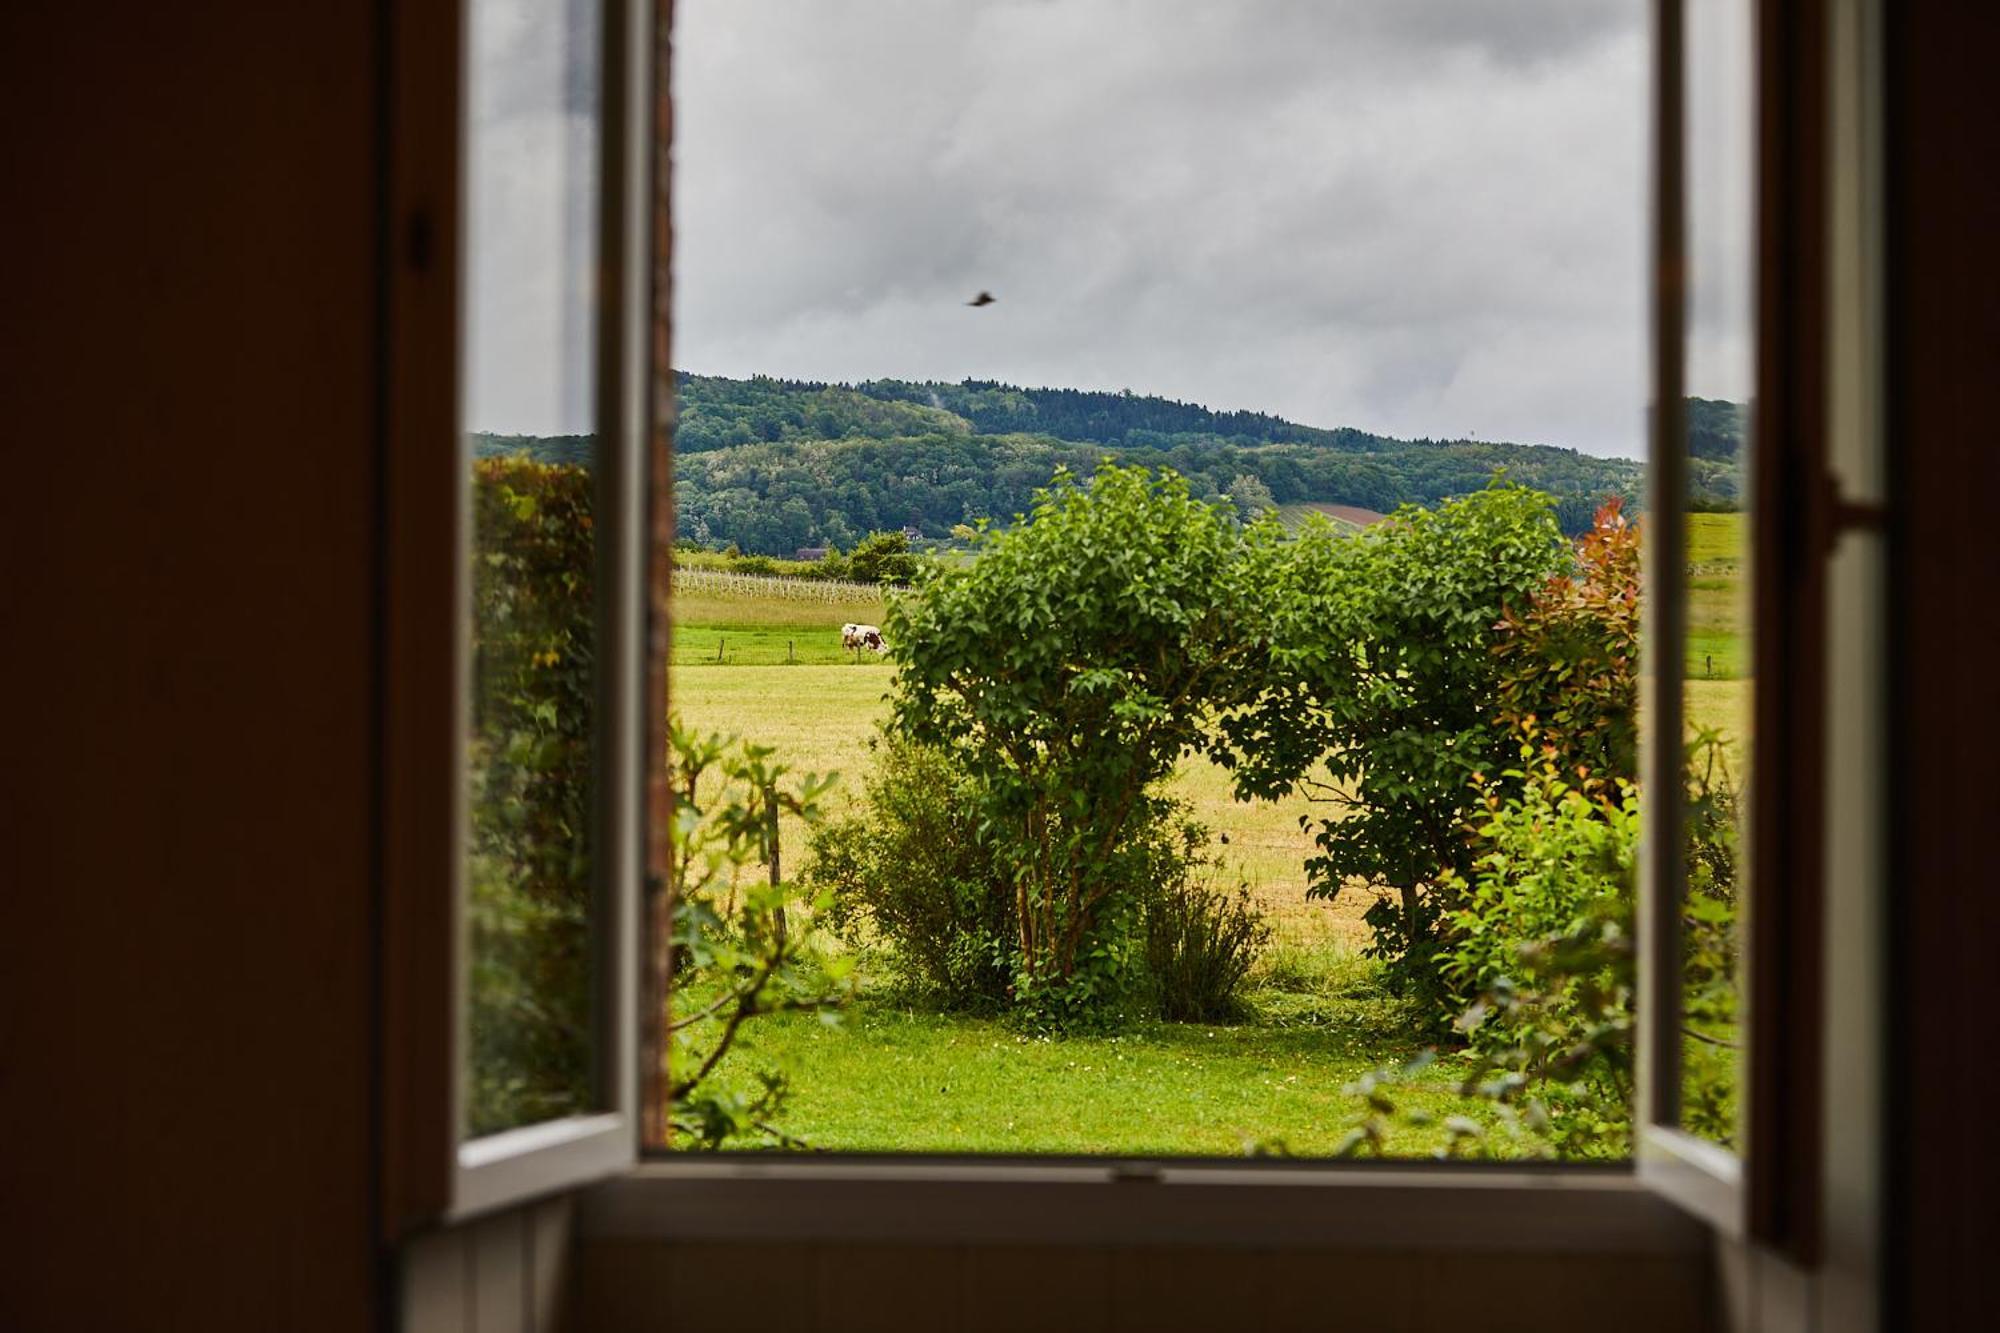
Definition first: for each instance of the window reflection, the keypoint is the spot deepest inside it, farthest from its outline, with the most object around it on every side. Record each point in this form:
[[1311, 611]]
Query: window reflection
[[531, 240], [1720, 369]]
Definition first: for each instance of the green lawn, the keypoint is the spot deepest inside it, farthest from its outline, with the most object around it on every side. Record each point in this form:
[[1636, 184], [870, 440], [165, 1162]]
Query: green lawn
[[1717, 647], [768, 629], [891, 1080]]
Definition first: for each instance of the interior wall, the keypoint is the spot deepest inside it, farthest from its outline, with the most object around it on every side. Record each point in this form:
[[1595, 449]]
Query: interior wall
[[1943, 916], [188, 321], [641, 1286]]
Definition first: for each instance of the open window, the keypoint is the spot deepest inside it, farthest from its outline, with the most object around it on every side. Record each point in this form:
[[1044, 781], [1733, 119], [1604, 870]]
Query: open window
[[1731, 1004], [1739, 284], [513, 754]]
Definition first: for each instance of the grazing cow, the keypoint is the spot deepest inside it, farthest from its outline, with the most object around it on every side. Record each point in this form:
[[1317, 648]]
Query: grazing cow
[[856, 637]]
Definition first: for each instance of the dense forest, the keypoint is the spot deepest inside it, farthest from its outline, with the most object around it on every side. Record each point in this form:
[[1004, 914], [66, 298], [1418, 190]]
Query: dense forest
[[1715, 453], [772, 465]]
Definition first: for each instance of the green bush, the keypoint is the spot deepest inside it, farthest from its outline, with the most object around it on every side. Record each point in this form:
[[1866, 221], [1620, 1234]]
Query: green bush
[[1068, 667], [913, 869], [1381, 696], [1543, 941], [882, 557]]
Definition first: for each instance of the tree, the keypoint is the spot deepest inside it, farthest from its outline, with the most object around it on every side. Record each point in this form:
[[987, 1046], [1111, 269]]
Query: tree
[[882, 557], [1382, 697], [1252, 497], [1068, 667]]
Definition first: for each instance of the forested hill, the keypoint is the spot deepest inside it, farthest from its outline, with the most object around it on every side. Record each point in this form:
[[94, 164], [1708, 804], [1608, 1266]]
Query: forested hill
[[719, 412], [773, 465]]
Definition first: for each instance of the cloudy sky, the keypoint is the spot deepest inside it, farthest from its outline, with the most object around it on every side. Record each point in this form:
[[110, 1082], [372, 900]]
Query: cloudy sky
[[1422, 217]]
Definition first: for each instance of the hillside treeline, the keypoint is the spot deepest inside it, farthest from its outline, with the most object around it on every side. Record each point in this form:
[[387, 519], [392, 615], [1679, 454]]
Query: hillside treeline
[[771, 465]]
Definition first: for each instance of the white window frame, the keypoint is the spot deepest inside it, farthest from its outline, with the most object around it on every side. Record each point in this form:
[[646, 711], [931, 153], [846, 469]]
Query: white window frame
[[430, 1175]]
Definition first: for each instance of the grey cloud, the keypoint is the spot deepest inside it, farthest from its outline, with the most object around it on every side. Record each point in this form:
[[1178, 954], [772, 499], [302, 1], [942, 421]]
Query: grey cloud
[[1417, 216]]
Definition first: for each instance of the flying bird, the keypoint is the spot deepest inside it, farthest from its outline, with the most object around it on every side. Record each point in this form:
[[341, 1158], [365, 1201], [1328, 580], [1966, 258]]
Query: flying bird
[[984, 298]]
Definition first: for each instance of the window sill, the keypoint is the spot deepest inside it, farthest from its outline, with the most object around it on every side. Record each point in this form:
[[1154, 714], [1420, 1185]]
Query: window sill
[[1401, 1206]]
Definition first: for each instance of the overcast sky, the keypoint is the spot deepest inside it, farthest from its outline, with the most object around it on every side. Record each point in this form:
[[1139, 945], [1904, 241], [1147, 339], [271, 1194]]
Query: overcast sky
[[1421, 217]]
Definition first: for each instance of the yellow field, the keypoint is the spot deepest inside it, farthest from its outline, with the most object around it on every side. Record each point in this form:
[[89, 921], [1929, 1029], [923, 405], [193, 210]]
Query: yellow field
[[823, 719]]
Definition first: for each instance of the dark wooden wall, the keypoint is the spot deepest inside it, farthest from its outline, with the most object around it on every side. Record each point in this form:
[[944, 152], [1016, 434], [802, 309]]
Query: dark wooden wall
[[1943, 289], [187, 754]]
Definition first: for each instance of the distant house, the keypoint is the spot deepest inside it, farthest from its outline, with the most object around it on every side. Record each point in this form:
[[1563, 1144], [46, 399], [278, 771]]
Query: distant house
[[810, 553], [913, 533]]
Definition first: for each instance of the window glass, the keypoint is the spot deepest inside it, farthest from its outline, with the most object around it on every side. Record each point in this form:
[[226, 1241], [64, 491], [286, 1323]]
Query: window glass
[[530, 411], [1720, 661]]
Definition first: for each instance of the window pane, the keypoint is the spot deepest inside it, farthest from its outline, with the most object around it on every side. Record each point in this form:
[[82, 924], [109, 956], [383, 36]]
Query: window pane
[[530, 410], [1720, 368]]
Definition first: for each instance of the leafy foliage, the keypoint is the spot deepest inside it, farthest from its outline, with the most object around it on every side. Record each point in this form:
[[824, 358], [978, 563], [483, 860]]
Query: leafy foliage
[[912, 869], [774, 465], [1382, 696], [1570, 659], [739, 941], [529, 860], [1544, 940], [1715, 434], [1068, 667], [1710, 941], [882, 557]]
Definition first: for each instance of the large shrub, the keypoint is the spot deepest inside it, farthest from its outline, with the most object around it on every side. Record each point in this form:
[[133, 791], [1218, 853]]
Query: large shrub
[[529, 860], [910, 869], [1569, 660], [1382, 696], [1067, 667], [1543, 941]]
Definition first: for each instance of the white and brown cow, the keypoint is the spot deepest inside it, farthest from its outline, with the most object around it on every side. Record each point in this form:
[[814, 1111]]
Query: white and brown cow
[[856, 637]]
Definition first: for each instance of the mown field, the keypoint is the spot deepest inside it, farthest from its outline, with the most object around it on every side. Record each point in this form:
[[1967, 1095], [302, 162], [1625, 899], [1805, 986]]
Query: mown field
[[1718, 590], [746, 630], [1719, 666]]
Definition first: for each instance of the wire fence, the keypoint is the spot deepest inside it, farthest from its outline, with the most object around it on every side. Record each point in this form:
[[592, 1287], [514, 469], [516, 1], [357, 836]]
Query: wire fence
[[722, 583]]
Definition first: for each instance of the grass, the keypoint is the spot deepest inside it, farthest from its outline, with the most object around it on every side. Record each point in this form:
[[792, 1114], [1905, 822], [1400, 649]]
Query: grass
[[901, 1080], [1717, 649], [766, 630]]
